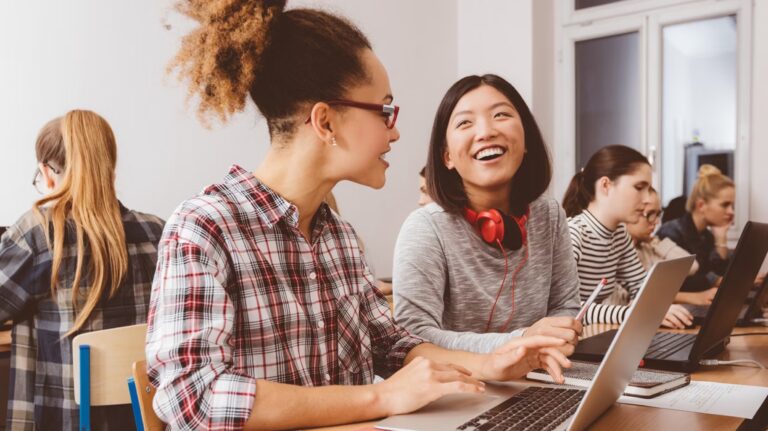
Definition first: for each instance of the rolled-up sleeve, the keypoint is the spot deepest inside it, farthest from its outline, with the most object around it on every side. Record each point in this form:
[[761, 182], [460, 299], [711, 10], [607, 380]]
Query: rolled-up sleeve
[[192, 316]]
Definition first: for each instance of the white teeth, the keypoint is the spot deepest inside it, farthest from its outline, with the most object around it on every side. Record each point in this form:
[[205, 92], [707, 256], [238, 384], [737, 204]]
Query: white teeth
[[383, 156], [493, 151]]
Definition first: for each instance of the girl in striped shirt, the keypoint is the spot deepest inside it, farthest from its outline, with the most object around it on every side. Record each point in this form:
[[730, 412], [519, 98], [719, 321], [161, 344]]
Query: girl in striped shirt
[[612, 189]]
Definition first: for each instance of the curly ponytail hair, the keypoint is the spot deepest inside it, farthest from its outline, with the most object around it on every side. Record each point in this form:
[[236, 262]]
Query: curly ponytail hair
[[612, 161], [283, 60]]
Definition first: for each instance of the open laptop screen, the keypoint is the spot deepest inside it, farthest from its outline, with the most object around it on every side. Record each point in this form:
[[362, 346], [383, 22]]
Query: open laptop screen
[[737, 282]]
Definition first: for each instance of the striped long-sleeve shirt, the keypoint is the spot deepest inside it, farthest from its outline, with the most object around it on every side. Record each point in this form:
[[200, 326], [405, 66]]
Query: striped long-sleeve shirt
[[603, 253]]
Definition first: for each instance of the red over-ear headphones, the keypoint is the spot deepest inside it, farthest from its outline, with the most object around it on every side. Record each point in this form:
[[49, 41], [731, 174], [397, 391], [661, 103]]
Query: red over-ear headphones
[[495, 228]]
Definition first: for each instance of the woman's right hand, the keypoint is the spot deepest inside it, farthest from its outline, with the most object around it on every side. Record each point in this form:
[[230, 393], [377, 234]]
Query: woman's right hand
[[422, 381], [677, 317], [720, 233]]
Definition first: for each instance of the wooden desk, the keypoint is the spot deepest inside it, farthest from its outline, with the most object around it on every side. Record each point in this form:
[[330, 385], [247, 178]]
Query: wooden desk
[[624, 416]]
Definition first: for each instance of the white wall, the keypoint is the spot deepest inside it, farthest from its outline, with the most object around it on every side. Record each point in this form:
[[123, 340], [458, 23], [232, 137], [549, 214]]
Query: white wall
[[495, 36], [110, 57], [758, 201], [758, 205]]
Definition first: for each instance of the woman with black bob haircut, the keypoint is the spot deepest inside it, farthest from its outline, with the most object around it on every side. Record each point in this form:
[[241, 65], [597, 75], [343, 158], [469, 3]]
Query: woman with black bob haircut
[[535, 172], [264, 313], [490, 260]]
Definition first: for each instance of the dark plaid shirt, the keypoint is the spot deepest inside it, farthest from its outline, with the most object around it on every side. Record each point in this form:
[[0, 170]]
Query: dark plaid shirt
[[241, 295], [41, 392]]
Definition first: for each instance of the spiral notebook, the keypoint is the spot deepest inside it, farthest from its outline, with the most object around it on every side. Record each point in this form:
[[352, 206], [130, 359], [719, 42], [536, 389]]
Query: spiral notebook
[[645, 383]]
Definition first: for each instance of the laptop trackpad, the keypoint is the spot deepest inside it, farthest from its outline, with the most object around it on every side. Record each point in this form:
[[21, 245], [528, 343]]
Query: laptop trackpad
[[451, 411]]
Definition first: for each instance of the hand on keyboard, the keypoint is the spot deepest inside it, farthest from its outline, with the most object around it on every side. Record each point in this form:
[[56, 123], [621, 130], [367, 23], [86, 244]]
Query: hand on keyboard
[[422, 381]]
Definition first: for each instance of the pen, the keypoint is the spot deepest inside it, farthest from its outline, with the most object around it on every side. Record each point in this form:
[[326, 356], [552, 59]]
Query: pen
[[591, 299]]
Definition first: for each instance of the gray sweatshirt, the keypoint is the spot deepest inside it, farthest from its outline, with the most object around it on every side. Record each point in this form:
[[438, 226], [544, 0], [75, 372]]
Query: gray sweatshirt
[[445, 278]]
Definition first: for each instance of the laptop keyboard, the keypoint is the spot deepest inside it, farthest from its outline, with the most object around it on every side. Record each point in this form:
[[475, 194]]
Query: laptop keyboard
[[532, 409], [665, 344]]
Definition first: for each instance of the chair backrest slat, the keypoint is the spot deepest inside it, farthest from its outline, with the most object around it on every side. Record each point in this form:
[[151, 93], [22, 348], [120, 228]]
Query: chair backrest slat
[[113, 352]]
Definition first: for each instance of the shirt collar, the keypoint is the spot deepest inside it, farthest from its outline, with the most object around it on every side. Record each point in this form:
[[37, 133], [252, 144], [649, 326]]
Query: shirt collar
[[267, 204], [595, 224]]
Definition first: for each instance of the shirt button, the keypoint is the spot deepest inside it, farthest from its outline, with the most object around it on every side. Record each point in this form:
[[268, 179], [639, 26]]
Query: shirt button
[[312, 275], [327, 377], [321, 324]]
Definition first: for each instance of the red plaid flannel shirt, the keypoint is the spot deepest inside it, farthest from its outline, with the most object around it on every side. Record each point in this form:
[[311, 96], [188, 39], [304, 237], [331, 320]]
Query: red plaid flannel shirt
[[240, 295]]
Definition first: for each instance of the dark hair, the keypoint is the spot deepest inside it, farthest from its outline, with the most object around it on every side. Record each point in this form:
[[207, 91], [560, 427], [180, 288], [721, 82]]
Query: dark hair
[[612, 161], [532, 178], [423, 172], [674, 210], [285, 60]]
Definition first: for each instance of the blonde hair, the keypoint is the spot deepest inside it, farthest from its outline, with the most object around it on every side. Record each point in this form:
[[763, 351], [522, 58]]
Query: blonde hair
[[87, 198], [708, 184]]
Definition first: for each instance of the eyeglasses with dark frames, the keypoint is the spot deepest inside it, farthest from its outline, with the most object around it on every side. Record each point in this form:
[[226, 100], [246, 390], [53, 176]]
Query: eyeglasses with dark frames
[[652, 216], [388, 111]]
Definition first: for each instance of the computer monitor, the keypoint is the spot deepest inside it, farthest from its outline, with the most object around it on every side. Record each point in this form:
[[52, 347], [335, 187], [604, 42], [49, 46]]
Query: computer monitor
[[696, 154]]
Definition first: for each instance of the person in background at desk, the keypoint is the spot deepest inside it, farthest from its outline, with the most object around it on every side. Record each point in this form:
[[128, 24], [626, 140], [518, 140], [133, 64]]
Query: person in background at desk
[[263, 311], [651, 249], [78, 261], [456, 288], [611, 190], [703, 229]]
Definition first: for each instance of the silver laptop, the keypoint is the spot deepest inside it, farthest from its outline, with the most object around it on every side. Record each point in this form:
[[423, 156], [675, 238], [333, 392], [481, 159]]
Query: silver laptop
[[507, 406]]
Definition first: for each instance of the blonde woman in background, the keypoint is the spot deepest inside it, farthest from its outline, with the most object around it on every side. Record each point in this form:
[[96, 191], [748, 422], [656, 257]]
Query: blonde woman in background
[[651, 249], [703, 229], [78, 261]]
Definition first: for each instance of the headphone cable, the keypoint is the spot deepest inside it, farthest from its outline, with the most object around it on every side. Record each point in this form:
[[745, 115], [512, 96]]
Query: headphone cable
[[498, 294], [501, 288]]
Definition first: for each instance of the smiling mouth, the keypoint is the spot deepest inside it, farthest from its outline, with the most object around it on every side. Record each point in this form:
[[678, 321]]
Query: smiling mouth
[[490, 153]]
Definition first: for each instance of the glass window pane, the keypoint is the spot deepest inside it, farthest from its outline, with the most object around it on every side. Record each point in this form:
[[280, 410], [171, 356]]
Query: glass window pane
[[698, 101], [583, 4], [607, 94]]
